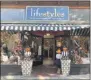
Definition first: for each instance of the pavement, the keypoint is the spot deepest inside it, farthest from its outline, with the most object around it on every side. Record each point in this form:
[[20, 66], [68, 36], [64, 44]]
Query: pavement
[[41, 77], [41, 72], [45, 72]]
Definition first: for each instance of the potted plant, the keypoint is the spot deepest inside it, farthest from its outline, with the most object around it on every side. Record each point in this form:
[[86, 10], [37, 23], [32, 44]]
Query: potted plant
[[27, 62]]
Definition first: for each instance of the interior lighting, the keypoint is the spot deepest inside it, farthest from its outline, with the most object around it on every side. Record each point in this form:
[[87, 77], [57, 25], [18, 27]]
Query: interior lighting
[[48, 34]]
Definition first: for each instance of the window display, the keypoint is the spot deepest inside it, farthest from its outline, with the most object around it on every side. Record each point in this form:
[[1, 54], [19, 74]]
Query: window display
[[35, 43], [13, 52], [10, 47], [78, 50], [13, 46], [37, 48]]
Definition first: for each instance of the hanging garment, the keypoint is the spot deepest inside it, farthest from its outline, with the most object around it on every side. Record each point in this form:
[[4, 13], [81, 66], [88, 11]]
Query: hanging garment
[[4, 58], [32, 44], [65, 55], [58, 60], [18, 60], [39, 50], [25, 37], [27, 54], [58, 56]]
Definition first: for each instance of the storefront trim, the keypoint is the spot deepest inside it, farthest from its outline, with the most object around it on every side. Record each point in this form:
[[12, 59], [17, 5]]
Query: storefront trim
[[45, 21], [42, 27]]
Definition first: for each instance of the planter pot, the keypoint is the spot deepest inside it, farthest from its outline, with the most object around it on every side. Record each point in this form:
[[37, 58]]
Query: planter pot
[[26, 66], [65, 67]]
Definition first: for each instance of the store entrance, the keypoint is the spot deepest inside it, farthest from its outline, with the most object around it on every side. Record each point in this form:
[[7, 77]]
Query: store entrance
[[48, 48], [48, 45]]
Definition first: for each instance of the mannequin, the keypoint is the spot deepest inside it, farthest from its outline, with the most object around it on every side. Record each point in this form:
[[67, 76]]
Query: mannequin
[[26, 64], [65, 53], [27, 53], [65, 61], [59, 49]]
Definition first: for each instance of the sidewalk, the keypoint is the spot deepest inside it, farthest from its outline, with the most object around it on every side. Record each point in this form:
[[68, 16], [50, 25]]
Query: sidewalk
[[41, 72], [41, 77]]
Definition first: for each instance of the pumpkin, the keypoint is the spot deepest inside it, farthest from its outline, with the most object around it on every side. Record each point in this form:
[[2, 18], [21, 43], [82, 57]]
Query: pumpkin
[[58, 51], [27, 49]]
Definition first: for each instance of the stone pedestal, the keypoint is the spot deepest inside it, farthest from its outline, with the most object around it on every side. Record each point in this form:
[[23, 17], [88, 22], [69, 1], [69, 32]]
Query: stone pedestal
[[65, 67], [26, 66]]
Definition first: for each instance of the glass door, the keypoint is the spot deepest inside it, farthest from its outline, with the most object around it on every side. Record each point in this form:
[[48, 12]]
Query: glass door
[[48, 48], [48, 51]]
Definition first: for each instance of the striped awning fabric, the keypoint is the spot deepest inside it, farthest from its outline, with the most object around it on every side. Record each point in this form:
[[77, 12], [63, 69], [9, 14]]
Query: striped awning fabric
[[42, 27]]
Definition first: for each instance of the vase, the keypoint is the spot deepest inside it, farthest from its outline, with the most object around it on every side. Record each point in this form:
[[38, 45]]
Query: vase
[[26, 66], [65, 67]]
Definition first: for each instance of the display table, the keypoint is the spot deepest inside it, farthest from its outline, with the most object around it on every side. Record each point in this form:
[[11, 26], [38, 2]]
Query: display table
[[65, 67], [26, 66]]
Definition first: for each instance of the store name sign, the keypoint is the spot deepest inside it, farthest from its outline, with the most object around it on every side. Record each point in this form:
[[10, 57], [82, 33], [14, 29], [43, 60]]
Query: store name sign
[[47, 13]]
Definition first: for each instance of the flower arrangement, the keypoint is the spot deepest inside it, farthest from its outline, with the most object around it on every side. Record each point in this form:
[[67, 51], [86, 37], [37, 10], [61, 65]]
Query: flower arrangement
[[18, 46]]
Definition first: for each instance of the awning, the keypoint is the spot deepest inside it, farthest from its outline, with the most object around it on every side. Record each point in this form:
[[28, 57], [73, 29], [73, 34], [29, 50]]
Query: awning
[[80, 32], [42, 27]]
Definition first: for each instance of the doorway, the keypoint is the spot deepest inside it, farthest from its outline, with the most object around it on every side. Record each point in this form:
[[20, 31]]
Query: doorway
[[48, 51]]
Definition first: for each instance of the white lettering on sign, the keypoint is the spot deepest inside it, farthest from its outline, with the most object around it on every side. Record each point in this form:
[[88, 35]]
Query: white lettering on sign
[[36, 13]]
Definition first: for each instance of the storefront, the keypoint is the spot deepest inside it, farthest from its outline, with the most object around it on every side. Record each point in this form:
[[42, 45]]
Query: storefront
[[42, 27]]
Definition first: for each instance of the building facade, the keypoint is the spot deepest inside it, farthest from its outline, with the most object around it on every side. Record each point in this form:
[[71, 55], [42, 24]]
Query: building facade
[[41, 24]]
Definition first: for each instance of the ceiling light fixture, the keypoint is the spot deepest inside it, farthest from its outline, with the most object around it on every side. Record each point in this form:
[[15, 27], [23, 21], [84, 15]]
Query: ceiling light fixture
[[48, 34]]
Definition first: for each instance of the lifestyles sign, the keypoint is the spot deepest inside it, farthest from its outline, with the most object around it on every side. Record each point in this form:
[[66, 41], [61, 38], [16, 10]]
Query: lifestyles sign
[[47, 13]]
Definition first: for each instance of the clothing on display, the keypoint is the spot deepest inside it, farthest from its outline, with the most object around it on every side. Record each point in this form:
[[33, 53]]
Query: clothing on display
[[39, 50], [32, 44], [58, 56], [27, 54], [65, 53]]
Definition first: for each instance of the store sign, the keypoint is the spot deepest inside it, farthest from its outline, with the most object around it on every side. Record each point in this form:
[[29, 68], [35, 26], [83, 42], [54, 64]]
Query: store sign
[[47, 13]]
